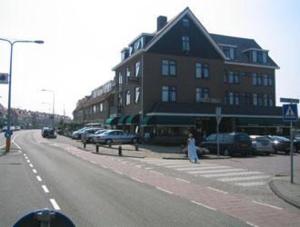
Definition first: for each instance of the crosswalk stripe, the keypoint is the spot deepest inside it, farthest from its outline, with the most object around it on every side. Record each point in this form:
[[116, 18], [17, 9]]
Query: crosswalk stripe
[[231, 174], [202, 168], [249, 184], [215, 171], [230, 179]]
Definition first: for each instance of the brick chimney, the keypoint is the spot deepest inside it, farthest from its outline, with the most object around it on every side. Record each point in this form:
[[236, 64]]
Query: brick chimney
[[161, 22]]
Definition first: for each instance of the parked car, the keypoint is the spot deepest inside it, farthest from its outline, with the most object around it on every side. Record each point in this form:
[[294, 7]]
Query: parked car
[[87, 134], [230, 143], [48, 133], [262, 145], [280, 144], [77, 134], [97, 134], [115, 136]]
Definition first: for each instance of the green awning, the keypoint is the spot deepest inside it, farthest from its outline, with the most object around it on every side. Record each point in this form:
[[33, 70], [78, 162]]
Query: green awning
[[260, 121], [112, 121], [122, 120], [133, 120], [168, 121]]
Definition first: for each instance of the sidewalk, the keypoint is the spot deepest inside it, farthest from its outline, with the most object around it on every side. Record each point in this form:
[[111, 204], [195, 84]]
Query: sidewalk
[[287, 191]]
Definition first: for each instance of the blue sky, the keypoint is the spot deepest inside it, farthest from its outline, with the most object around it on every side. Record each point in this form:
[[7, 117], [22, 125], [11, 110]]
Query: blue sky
[[83, 39]]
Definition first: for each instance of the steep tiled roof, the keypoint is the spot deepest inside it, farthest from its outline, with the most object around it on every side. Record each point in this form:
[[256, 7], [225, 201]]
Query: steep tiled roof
[[241, 44]]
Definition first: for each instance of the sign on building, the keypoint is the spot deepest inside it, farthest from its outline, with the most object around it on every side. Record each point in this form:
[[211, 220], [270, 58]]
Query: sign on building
[[3, 78]]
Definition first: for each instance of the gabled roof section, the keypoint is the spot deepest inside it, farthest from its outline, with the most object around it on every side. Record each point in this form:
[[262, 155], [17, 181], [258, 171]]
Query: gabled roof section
[[158, 35]]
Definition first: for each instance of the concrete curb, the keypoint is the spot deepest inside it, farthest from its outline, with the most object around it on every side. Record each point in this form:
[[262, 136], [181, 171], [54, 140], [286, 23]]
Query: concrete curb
[[281, 196]]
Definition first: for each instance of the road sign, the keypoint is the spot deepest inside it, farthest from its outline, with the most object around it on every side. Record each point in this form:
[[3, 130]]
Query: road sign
[[289, 112], [3, 78], [288, 100]]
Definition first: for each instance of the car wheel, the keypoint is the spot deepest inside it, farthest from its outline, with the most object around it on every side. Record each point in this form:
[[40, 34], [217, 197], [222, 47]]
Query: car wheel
[[109, 141]]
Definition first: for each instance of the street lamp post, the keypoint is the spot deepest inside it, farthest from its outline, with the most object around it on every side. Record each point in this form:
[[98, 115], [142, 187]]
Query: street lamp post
[[12, 43], [53, 102]]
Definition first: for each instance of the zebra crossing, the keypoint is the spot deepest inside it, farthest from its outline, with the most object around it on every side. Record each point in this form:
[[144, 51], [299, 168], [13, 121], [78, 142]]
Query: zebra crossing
[[222, 173]]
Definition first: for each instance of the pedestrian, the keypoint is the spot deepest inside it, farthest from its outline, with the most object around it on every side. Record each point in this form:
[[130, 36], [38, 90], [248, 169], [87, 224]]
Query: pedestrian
[[192, 152]]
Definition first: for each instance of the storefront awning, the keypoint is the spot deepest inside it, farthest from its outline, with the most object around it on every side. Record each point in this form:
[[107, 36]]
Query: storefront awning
[[122, 120], [133, 120], [260, 122], [168, 121], [112, 121]]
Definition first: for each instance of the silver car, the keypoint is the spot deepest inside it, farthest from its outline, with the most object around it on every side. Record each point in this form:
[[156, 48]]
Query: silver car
[[115, 136], [262, 145]]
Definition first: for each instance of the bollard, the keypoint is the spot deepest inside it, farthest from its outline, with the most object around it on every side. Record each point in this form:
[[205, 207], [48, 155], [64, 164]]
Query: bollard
[[136, 146], [120, 150], [97, 148]]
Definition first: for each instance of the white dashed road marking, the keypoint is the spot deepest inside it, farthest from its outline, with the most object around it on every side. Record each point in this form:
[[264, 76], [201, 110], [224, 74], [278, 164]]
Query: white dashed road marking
[[54, 204], [39, 178], [45, 188]]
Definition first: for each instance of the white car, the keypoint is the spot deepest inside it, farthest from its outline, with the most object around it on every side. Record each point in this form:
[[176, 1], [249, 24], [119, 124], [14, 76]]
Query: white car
[[115, 136], [262, 145]]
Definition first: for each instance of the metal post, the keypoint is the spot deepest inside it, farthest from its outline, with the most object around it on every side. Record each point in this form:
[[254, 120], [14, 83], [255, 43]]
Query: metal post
[[292, 152], [218, 141], [8, 138]]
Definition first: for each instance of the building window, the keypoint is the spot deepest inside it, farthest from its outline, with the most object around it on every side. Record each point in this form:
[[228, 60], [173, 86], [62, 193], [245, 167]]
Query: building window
[[254, 99], [120, 78], [201, 70], [201, 94], [229, 52], [232, 98], [168, 68], [232, 77], [168, 94], [137, 92], [137, 69], [185, 43], [127, 102], [185, 22]]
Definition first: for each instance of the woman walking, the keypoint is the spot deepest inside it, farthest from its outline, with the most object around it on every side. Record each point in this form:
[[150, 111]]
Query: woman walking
[[192, 153]]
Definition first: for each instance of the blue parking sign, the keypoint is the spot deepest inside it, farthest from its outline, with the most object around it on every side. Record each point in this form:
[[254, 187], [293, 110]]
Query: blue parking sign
[[289, 112]]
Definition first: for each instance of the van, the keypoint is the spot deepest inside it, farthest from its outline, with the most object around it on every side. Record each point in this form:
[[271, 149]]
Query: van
[[230, 143]]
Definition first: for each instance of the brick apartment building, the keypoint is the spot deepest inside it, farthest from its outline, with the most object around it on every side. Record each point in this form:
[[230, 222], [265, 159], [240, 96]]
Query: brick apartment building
[[170, 82]]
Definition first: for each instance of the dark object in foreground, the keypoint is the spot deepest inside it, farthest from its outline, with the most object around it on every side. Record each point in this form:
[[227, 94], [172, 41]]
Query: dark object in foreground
[[45, 217]]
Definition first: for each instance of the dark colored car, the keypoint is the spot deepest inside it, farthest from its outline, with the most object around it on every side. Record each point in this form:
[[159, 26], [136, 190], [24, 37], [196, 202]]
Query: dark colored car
[[48, 133], [280, 144], [230, 143]]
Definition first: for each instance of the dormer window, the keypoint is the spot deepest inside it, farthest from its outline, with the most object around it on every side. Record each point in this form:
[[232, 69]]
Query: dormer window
[[229, 52], [256, 55]]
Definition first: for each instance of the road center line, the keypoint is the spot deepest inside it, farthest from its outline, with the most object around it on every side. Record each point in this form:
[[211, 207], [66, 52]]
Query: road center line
[[54, 204], [45, 188], [34, 170], [203, 205], [38, 178], [217, 190], [183, 180], [267, 205], [163, 190]]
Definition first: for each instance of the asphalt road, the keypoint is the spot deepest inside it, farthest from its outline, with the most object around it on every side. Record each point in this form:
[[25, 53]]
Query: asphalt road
[[38, 173]]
